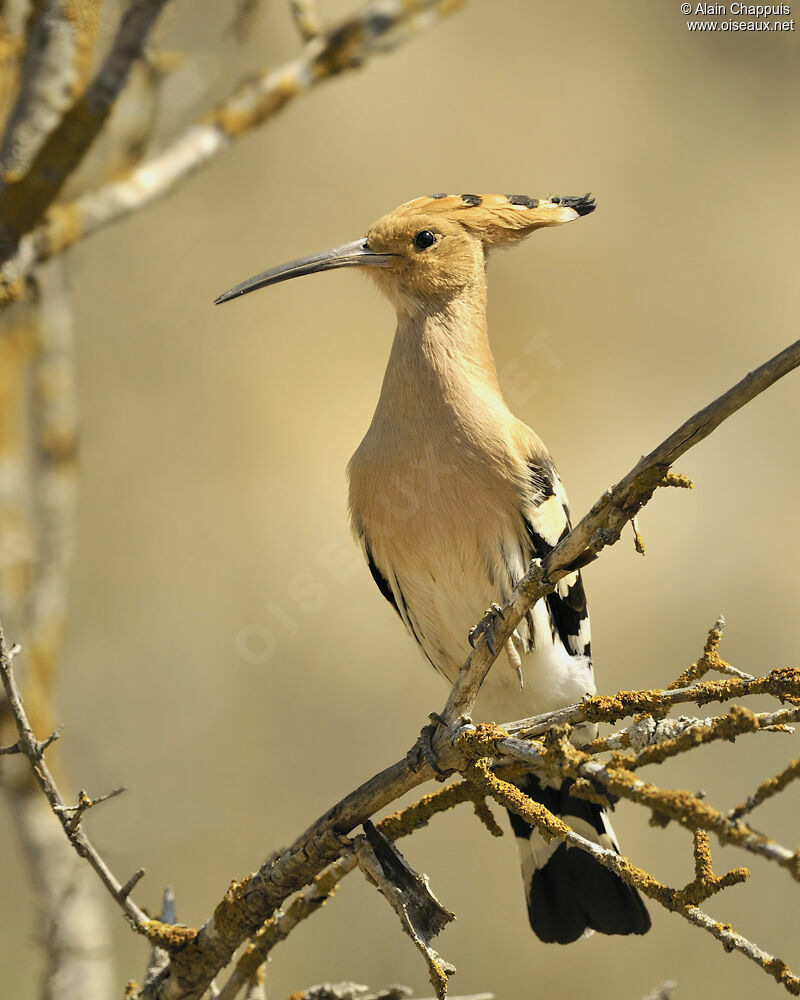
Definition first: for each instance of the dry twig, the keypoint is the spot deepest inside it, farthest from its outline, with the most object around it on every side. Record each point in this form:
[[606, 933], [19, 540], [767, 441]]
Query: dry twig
[[34, 751]]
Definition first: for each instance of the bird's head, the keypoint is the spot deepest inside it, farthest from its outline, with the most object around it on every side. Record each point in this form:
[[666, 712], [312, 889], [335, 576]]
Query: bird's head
[[430, 249]]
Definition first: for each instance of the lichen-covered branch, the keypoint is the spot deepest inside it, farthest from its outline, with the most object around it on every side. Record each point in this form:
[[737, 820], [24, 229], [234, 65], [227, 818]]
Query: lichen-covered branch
[[24, 201], [683, 901], [603, 524], [198, 955], [782, 683], [394, 826], [55, 68], [766, 790], [378, 26]]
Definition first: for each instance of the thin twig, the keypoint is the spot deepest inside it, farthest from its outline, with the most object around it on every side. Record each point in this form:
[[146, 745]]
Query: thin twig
[[198, 955], [683, 807], [603, 524], [684, 901], [209, 950], [32, 749], [601, 708], [767, 789], [398, 824], [83, 806], [731, 941]]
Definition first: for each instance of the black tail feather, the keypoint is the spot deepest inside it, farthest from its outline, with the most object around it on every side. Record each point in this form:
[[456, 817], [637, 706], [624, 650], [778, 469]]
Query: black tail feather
[[568, 892]]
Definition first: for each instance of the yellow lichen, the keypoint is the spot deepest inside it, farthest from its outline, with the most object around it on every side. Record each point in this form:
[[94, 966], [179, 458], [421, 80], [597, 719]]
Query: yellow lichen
[[170, 937]]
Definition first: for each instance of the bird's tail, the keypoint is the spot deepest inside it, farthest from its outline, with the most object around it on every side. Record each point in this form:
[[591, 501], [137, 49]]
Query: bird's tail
[[568, 892]]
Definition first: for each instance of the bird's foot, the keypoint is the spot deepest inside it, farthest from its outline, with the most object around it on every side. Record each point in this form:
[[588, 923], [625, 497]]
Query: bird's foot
[[486, 628], [423, 751]]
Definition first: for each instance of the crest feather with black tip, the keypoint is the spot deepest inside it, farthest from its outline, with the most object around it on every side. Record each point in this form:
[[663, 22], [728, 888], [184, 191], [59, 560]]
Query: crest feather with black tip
[[501, 219]]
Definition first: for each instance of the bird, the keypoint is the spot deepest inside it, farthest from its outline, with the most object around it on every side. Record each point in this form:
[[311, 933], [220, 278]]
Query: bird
[[451, 497]]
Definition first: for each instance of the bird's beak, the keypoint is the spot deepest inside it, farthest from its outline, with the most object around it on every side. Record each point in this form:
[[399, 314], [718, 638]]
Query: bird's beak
[[355, 254]]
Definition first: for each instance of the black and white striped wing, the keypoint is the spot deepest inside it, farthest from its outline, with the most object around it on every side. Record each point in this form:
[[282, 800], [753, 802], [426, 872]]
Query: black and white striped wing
[[547, 521]]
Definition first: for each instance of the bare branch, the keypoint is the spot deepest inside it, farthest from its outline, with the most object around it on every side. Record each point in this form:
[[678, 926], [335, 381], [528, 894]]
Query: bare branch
[[354, 991], [83, 806], [32, 749], [56, 66], [159, 958], [379, 25], [198, 955], [204, 952], [38, 404], [646, 731]]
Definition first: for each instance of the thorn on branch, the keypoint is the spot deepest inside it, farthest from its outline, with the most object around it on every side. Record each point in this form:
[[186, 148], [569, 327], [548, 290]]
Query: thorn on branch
[[84, 804], [40, 749], [131, 884]]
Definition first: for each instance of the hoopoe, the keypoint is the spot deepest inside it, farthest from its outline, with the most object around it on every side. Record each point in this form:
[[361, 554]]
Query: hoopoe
[[451, 496]]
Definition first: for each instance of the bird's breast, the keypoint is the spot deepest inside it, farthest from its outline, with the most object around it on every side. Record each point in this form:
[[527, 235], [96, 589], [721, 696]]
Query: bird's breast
[[432, 523]]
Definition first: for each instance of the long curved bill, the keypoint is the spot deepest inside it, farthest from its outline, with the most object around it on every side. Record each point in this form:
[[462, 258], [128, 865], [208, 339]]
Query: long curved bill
[[355, 254]]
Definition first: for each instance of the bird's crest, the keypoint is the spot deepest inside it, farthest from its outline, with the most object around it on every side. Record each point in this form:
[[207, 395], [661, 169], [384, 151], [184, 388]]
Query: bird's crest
[[499, 219]]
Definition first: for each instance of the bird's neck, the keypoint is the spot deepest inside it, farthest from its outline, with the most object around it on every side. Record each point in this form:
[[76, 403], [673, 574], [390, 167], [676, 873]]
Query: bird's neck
[[441, 373]]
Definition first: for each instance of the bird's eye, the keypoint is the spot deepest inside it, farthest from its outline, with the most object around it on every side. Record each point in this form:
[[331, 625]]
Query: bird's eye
[[424, 239]]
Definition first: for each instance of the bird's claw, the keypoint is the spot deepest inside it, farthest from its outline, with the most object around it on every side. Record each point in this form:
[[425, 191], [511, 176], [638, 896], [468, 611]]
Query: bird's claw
[[486, 627], [424, 752]]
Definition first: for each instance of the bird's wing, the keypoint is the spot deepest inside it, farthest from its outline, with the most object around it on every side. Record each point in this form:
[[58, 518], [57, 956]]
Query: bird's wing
[[547, 520]]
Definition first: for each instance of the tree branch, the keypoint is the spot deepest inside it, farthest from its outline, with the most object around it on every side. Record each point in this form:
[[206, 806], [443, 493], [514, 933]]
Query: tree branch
[[197, 956], [55, 68], [603, 524], [33, 750], [377, 27], [23, 202]]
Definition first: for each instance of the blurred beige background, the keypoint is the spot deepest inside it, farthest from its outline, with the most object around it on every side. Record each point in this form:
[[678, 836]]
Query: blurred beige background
[[214, 443]]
